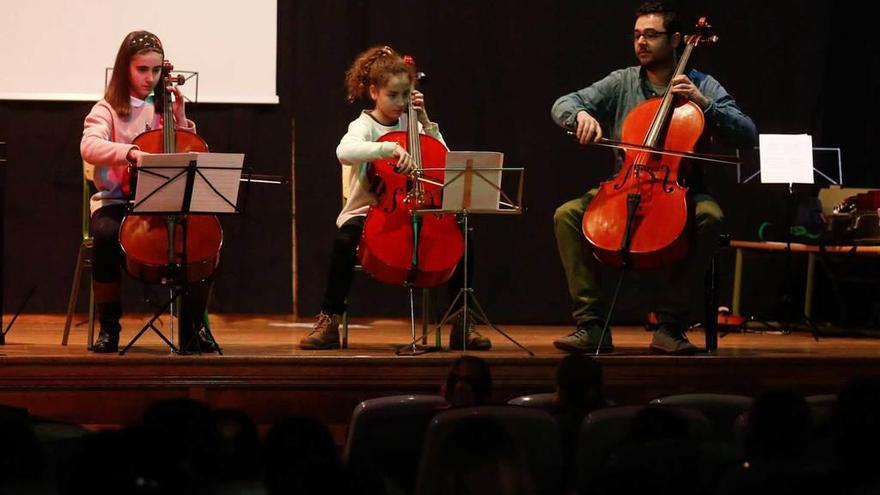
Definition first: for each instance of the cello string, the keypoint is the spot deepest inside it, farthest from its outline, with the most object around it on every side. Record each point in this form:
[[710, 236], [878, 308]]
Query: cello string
[[726, 159], [709, 157]]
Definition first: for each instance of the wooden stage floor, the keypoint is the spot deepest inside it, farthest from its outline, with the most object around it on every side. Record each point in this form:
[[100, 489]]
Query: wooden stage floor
[[264, 373]]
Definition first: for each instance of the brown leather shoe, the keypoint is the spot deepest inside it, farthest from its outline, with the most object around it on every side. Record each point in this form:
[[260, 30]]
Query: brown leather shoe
[[325, 334]]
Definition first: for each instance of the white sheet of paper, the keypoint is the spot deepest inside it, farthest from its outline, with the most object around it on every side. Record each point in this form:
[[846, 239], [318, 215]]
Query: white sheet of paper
[[485, 192], [223, 170], [786, 158], [170, 197], [225, 179]]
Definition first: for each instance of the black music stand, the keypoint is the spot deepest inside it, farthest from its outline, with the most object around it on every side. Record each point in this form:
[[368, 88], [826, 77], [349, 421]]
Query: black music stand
[[468, 187], [176, 185], [827, 166]]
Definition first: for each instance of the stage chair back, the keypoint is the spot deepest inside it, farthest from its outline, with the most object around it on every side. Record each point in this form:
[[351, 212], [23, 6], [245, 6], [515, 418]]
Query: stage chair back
[[822, 407], [542, 401], [385, 438], [604, 430], [536, 433], [346, 183], [822, 442], [83, 261], [721, 409]]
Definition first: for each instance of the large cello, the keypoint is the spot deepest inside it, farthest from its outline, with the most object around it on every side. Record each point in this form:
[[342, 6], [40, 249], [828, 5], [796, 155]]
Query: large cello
[[399, 245], [639, 217], [145, 240]]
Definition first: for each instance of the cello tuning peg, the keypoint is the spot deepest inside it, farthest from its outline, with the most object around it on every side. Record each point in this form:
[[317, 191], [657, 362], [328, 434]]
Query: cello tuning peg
[[177, 79], [421, 77]]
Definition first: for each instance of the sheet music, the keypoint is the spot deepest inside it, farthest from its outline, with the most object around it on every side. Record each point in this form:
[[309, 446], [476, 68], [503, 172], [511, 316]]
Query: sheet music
[[170, 198], [485, 192], [223, 172], [786, 158], [162, 190]]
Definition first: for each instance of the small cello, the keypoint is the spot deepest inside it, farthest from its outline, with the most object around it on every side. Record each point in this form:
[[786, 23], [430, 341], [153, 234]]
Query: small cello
[[145, 240], [639, 217], [399, 245]]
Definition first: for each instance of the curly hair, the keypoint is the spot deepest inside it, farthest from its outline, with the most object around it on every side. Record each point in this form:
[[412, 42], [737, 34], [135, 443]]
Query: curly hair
[[374, 66]]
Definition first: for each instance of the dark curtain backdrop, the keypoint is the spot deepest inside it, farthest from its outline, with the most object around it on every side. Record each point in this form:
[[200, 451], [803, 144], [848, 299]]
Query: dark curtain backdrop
[[494, 70]]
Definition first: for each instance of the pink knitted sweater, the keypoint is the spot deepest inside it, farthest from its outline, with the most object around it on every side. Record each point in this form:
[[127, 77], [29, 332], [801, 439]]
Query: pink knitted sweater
[[105, 144]]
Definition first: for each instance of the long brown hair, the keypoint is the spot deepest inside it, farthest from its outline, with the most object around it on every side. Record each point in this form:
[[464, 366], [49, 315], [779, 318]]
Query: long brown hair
[[118, 91], [374, 66]]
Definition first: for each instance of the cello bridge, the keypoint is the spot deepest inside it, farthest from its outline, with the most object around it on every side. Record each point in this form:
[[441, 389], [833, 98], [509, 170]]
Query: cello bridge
[[415, 200]]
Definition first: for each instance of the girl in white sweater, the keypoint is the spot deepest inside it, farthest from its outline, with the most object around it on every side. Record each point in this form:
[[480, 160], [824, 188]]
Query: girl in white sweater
[[382, 75]]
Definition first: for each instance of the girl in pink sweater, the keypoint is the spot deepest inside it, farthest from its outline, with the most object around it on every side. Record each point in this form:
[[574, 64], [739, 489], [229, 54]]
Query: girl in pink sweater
[[128, 109]]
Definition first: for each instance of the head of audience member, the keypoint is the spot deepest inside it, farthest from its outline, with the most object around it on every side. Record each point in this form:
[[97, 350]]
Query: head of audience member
[[239, 445], [579, 384], [778, 426], [22, 456], [188, 430], [468, 383], [133, 460], [857, 424], [299, 456], [655, 423], [478, 456], [658, 456]]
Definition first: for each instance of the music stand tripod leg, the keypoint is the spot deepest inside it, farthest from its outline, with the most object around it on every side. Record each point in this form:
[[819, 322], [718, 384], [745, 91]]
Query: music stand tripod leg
[[481, 315], [467, 293], [177, 293], [808, 295], [448, 316], [150, 326]]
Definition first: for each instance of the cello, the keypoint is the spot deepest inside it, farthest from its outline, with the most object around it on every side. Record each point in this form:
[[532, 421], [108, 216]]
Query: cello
[[145, 240], [639, 217], [399, 245]]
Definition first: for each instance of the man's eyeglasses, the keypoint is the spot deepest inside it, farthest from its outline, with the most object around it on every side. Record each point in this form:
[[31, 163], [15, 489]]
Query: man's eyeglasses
[[649, 34]]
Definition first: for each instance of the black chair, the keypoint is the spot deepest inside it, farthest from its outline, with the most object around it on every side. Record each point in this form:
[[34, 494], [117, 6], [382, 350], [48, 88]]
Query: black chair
[[385, 439], [722, 410], [535, 432], [543, 401]]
